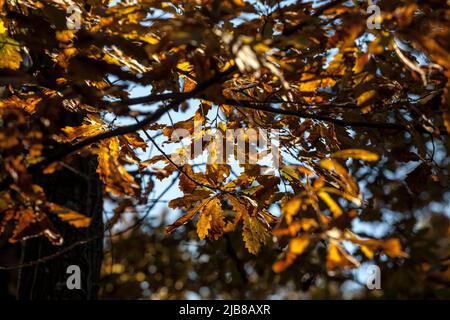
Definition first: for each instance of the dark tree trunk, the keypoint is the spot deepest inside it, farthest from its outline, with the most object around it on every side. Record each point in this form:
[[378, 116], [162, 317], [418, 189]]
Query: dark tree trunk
[[80, 189], [10, 256]]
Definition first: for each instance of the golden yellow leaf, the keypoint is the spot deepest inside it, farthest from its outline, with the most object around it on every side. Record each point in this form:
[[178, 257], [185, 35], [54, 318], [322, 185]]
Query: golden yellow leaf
[[203, 224], [10, 53], [254, 233], [239, 3], [334, 207], [267, 87], [189, 214], [10, 56], [291, 208], [333, 165], [309, 86], [366, 98], [338, 258], [114, 175], [298, 245], [185, 66], [83, 131], [337, 66], [150, 39], [136, 141], [211, 220], [283, 264], [290, 172], [217, 222], [28, 102], [361, 63], [308, 223], [267, 216], [227, 65], [360, 154], [240, 210], [3, 29], [65, 35], [72, 217], [376, 46], [367, 252], [319, 183], [391, 247]]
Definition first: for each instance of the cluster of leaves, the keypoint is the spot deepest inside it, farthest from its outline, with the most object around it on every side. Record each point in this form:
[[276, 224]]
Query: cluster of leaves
[[340, 95], [32, 215]]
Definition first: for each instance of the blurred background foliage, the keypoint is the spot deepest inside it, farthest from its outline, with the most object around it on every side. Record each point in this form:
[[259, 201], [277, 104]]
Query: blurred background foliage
[[145, 263]]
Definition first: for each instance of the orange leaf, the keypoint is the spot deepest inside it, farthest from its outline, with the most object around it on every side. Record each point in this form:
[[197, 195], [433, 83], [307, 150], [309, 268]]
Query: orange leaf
[[334, 207], [298, 245], [393, 248], [338, 258], [74, 218]]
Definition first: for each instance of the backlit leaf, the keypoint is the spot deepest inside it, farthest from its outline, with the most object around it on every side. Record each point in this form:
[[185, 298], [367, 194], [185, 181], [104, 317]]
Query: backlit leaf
[[74, 218], [298, 245], [359, 154], [338, 258], [334, 207], [186, 217], [254, 234]]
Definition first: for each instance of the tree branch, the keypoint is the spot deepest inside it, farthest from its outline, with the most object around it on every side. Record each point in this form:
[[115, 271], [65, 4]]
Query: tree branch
[[68, 149], [151, 98], [263, 106]]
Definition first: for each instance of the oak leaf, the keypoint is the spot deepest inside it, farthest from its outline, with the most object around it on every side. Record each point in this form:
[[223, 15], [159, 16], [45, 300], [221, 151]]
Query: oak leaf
[[254, 233]]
